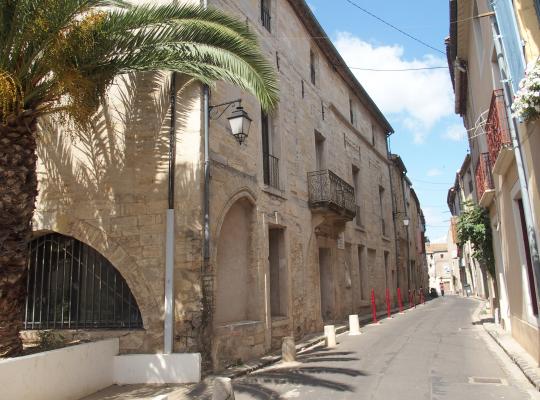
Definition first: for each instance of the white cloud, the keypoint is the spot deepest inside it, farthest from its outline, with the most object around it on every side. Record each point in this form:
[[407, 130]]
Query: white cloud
[[455, 133], [434, 172], [420, 98], [442, 239]]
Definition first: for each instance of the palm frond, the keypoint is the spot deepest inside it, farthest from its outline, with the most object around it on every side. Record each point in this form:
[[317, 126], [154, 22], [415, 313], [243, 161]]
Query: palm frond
[[75, 48]]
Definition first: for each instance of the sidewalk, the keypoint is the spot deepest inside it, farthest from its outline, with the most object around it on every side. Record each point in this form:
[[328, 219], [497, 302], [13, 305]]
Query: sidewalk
[[512, 348], [203, 390]]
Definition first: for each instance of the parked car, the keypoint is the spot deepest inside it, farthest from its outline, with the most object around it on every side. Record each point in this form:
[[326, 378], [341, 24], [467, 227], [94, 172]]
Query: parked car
[[433, 293]]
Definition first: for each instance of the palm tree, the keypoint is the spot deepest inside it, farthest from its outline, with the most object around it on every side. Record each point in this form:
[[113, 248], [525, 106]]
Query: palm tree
[[61, 56]]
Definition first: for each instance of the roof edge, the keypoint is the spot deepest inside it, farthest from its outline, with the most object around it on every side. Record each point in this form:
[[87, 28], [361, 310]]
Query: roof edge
[[321, 38]]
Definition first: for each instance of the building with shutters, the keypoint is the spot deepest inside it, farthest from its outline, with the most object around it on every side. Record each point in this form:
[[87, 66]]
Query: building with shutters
[[489, 45]]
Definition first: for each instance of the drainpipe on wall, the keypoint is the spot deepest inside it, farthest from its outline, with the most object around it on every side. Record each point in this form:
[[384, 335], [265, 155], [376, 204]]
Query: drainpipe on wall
[[522, 175], [169, 242], [206, 199]]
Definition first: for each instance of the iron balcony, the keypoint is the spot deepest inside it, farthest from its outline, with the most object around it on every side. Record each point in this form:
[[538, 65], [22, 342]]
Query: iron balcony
[[328, 193]]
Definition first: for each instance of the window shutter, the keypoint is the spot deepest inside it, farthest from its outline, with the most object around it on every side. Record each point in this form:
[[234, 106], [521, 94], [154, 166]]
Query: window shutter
[[511, 41]]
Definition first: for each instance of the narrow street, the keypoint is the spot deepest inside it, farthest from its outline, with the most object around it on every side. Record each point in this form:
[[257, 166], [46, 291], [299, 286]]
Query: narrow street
[[434, 352]]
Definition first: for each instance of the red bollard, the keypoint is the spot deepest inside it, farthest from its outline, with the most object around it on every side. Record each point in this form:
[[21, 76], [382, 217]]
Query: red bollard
[[414, 297], [388, 311], [400, 300], [373, 306]]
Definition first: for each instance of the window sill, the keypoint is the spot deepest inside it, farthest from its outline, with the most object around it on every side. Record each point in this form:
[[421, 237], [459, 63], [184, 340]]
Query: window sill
[[360, 228], [274, 192], [386, 238]]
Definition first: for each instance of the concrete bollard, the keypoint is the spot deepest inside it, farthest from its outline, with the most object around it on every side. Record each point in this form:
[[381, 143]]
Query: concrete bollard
[[496, 316], [288, 349], [330, 335], [354, 325], [223, 389]]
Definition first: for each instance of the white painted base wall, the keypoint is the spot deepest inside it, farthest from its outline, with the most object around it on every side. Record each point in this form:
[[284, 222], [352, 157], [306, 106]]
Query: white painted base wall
[[64, 374], [77, 371], [157, 368]]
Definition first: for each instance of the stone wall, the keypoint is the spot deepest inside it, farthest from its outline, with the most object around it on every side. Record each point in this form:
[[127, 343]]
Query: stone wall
[[108, 188]]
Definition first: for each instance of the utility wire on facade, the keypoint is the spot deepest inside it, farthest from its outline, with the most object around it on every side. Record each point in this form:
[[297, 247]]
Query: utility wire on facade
[[394, 27]]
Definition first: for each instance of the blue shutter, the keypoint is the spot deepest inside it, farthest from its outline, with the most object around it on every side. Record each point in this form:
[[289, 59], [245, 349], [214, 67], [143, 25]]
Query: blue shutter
[[511, 41]]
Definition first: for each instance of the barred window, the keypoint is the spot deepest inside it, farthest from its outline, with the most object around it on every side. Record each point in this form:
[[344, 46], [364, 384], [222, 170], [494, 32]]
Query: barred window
[[72, 286]]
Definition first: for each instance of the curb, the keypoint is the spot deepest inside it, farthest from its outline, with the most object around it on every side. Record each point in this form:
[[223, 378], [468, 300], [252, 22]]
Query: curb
[[525, 367], [528, 370]]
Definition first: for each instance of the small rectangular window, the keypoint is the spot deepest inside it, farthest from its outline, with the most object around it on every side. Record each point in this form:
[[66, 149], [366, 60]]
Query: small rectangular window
[[351, 111], [277, 61], [322, 110], [381, 210], [303, 91], [312, 61], [265, 14]]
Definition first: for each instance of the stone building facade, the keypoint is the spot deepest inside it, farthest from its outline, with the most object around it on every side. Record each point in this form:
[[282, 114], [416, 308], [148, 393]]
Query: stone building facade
[[300, 215], [409, 226]]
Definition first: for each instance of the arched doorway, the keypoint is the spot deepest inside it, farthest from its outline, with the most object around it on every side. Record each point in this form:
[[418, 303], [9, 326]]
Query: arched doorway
[[236, 294], [72, 286]]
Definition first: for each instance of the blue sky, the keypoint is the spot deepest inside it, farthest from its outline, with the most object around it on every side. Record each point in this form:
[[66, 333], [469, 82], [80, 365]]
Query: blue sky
[[429, 137]]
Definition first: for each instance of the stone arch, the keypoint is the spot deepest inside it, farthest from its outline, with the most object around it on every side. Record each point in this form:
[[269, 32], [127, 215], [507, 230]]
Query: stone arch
[[73, 286], [236, 273], [120, 259]]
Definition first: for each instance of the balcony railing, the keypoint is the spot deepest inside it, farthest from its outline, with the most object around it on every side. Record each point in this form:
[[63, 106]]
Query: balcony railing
[[484, 179], [497, 128], [266, 18], [271, 170], [327, 191]]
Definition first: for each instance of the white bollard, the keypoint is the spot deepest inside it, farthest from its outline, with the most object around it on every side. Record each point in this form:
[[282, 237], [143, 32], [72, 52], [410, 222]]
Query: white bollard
[[330, 335], [354, 325], [223, 389], [496, 316], [288, 349]]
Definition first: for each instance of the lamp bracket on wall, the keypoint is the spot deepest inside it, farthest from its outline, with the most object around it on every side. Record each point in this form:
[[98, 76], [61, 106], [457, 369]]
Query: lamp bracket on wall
[[216, 111]]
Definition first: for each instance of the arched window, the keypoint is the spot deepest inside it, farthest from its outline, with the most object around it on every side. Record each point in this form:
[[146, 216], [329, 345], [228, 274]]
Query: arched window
[[72, 286]]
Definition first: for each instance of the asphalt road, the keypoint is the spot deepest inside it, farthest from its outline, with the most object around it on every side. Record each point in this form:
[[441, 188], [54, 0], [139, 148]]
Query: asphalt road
[[434, 352]]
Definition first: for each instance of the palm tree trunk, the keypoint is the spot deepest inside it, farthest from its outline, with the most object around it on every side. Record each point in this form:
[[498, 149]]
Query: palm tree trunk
[[18, 190]]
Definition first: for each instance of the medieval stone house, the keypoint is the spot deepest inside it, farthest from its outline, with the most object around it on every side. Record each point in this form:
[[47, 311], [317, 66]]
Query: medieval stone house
[[299, 225]]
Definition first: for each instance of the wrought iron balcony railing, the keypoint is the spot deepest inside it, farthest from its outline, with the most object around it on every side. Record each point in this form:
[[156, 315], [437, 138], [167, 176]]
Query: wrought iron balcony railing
[[484, 179], [271, 170], [497, 128], [327, 191]]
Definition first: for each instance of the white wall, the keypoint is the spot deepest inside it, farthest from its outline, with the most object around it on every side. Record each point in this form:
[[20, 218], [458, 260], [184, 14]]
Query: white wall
[[157, 368], [64, 374], [73, 372]]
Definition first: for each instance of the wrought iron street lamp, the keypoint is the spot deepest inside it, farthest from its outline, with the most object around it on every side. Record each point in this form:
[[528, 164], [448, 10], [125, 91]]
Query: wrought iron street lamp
[[239, 121]]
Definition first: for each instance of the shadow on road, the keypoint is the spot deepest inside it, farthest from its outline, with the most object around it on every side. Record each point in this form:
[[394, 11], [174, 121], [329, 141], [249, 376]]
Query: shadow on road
[[263, 385]]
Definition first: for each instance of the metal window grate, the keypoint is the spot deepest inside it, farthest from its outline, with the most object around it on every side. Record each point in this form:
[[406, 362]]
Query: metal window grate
[[72, 286]]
